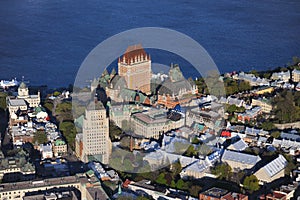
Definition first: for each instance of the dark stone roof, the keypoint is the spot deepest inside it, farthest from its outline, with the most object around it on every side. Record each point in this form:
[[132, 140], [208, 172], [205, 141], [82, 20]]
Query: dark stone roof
[[118, 82], [169, 87], [95, 105]]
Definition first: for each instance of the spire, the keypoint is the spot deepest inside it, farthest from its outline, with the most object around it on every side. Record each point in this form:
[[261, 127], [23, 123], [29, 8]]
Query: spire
[[23, 85], [105, 72], [113, 72], [119, 189]]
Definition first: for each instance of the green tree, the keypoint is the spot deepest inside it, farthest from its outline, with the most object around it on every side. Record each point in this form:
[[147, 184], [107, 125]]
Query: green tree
[[173, 184], [68, 130], [254, 72], [267, 75], [114, 131], [296, 60], [275, 134], [64, 107], [297, 98], [143, 198], [127, 164], [181, 185], [191, 151], [268, 126], [251, 183], [3, 100], [195, 140], [194, 190], [290, 165], [126, 125], [56, 93], [125, 142], [40, 137], [223, 171], [285, 107], [176, 168], [161, 179], [48, 105], [125, 198], [231, 109]]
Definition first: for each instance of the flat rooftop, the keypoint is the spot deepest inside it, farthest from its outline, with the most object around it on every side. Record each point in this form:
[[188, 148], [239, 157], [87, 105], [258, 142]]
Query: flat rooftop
[[17, 102], [41, 183], [215, 192]]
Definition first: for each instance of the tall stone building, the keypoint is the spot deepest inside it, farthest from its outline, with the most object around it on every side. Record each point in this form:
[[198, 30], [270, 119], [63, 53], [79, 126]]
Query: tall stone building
[[96, 142], [135, 67]]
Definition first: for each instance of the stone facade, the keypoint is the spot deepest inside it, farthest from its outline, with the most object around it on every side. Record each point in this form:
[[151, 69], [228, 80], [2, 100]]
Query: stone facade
[[135, 67], [96, 141]]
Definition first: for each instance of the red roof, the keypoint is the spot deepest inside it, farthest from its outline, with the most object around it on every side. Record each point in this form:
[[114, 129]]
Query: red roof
[[126, 183], [234, 196], [226, 134], [132, 52], [277, 195]]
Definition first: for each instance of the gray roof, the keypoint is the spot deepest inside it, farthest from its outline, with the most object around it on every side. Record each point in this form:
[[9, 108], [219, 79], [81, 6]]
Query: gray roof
[[239, 145], [253, 131], [17, 102], [197, 166], [240, 157], [118, 82], [232, 100], [169, 87], [95, 105], [289, 136], [23, 85], [275, 166], [211, 114]]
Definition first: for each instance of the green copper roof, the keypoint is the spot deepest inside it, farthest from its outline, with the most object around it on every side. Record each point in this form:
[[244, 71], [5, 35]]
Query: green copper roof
[[130, 95], [90, 173], [59, 142], [23, 85], [95, 82], [79, 121], [39, 109], [175, 73], [113, 72], [105, 72]]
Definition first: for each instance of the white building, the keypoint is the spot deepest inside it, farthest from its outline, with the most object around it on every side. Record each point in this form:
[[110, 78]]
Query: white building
[[283, 76], [46, 151], [272, 171], [239, 161], [154, 122], [296, 75], [16, 104], [32, 100], [265, 104], [96, 141]]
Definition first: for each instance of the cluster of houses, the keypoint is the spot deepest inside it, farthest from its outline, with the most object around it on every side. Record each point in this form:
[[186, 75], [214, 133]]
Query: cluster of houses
[[162, 127], [202, 118], [27, 118], [283, 79]]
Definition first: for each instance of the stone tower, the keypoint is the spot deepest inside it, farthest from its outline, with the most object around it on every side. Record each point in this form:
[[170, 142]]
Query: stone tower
[[135, 67]]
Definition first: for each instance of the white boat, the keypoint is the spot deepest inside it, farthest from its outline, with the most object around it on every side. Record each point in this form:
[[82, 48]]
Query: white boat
[[7, 84]]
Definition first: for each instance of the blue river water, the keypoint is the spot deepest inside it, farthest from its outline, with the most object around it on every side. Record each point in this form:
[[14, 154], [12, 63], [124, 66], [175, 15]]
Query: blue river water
[[46, 40]]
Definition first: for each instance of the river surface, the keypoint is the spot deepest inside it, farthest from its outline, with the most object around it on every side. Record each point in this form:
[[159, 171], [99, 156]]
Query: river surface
[[47, 40]]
